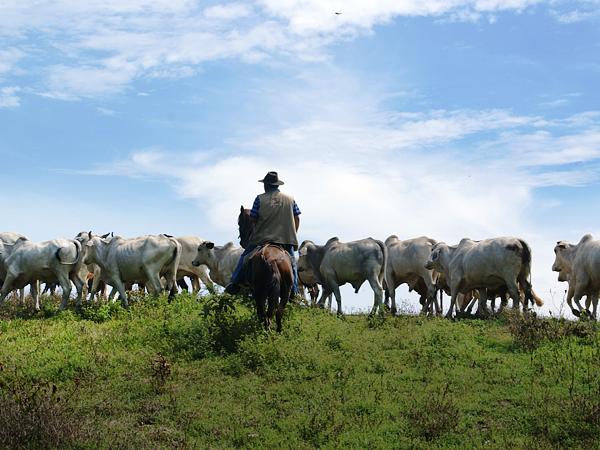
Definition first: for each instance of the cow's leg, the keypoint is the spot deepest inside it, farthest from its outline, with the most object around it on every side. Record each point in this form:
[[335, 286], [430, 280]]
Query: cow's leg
[[570, 293], [471, 305], [35, 294], [332, 286], [338, 299], [513, 291], [183, 285], [579, 292], [112, 294], [6, 286], [203, 275], [377, 294], [65, 284], [78, 287], [594, 305], [454, 293], [120, 287], [95, 286], [482, 309], [386, 296], [432, 298], [391, 293], [588, 303]]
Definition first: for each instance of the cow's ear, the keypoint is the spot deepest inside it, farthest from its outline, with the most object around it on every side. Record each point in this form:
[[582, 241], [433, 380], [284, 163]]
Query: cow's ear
[[242, 208], [210, 245]]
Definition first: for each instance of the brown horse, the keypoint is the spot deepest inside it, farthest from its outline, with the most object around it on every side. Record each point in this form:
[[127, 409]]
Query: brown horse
[[271, 274]]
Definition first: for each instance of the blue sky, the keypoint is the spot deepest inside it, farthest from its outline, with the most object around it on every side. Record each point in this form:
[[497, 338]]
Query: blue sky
[[448, 118]]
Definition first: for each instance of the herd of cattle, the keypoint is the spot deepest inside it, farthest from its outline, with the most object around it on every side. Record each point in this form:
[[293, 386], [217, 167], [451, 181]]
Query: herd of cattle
[[471, 272]]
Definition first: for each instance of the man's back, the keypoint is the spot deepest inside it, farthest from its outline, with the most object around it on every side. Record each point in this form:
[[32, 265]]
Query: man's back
[[275, 219]]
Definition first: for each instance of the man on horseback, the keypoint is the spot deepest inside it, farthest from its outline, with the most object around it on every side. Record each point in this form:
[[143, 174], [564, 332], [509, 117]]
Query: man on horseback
[[276, 218]]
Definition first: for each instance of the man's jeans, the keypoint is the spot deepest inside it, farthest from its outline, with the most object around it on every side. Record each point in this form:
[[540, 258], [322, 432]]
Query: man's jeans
[[236, 275]]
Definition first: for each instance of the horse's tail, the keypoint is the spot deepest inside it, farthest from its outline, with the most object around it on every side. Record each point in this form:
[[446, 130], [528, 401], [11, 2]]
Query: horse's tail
[[273, 288]]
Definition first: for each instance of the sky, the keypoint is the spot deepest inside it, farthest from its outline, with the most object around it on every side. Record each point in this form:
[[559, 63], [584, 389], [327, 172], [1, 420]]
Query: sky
[[445, 118]]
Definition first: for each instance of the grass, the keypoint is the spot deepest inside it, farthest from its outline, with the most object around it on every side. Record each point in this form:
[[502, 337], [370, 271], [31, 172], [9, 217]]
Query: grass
[[203, 374]]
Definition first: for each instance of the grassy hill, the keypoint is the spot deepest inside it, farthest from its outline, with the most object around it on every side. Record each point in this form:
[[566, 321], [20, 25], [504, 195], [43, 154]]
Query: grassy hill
[[203, 374]]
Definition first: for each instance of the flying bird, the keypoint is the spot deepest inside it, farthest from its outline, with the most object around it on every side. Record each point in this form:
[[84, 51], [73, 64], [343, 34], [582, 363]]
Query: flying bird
[[337, 13]]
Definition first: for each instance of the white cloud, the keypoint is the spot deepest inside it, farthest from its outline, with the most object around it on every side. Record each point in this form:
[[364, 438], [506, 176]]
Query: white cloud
[[9, 97], [101, 47], [106, 111], [9, 57]]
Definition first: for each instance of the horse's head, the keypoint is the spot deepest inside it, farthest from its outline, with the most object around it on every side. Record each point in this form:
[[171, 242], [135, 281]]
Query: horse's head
[[245, 226]]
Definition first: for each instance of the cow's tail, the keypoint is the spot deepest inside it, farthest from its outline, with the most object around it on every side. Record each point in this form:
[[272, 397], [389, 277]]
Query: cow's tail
[[383, 273], [173, 265], [525, 275], [77, 245]]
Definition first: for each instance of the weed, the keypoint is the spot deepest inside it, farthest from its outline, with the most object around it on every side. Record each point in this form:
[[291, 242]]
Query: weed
[[529, 331], [435, 415], [37, 415], [161, 371]]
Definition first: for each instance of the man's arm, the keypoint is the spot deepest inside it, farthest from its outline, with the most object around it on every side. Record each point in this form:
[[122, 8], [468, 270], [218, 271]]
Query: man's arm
[[296, 216], [254, 210]]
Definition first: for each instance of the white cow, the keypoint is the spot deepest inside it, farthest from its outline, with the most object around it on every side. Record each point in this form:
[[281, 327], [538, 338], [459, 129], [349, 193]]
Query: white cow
[[189, 250], [309, 281], [490, 264], [9, 238], [579, 265], [406, 264], [221, 260], [336, 263], [138, 260], [57, 261], [92, 271]]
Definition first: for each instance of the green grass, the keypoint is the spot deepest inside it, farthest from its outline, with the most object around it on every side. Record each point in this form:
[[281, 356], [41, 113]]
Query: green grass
[[203, 374]]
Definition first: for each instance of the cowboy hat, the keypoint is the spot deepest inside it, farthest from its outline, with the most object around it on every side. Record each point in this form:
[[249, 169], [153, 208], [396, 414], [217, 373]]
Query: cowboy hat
[[271, 178]]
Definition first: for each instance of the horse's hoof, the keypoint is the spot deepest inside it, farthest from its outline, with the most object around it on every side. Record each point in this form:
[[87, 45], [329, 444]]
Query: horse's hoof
[[576, 313]]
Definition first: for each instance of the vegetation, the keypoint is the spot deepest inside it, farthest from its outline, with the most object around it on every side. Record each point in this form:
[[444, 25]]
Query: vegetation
[[204, 374]]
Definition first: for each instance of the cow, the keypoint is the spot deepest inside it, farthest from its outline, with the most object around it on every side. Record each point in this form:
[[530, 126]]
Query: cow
[[579, 264], [143, 259], [58, 260], [91, 272], [221, 260], [9, 238], [337, 263], [488, 264], [406, 264], [307, 279], [189, 250]]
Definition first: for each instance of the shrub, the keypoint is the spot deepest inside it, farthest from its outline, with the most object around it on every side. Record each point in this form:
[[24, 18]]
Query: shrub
[[37, 415], [435, 415], [530, 331]]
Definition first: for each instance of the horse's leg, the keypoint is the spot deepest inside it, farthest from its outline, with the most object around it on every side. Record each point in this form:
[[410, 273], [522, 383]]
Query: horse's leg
[[285, 292], [273, 303]]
